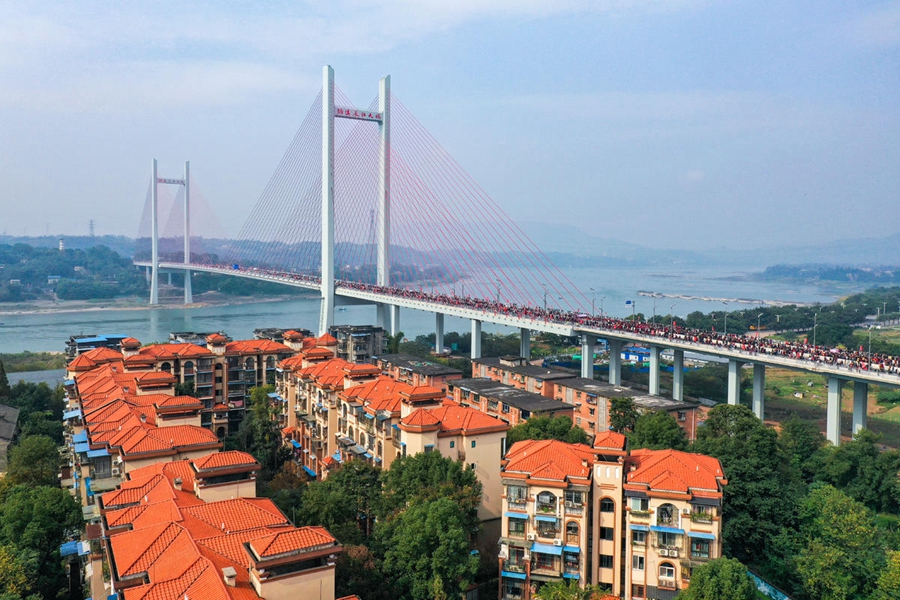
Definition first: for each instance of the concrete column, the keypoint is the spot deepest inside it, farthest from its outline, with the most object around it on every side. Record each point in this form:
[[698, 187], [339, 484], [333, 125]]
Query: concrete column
[[438, 333], [860, 403], [169, 280], [188, 291], [615, 362], [653, 386], [734, 381], [154, 236], [833, 422], [395, 318], [476, 339], [326, 313], [588, 342], [759, 390], [525, 347], [147, 273], [678, 375]]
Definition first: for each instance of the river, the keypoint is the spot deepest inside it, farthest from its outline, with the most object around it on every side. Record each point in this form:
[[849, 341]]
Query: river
[[49, 331]]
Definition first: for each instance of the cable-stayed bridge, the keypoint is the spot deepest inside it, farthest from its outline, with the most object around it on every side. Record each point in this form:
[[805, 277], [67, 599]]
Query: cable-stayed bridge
[[365, 207]]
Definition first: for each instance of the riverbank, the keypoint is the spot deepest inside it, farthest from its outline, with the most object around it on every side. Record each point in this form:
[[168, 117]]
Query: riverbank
[[130, 303]]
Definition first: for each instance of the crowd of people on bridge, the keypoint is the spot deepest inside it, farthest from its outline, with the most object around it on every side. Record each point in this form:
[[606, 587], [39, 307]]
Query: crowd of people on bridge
[[849, 358]]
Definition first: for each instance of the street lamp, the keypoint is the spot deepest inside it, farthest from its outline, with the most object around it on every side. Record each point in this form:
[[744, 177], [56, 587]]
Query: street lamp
[[869, 360], [815, 326], [672, 313], [498, 291], [654, 310], [602, 298], [593, 308], [545, 296], [757, 324], [726, 317]]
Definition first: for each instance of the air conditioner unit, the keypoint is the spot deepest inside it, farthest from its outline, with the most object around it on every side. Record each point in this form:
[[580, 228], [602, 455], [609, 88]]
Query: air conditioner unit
[[569, 503], [557, 542], [673, 553], [116, 471], [663, 552], [531, 537]]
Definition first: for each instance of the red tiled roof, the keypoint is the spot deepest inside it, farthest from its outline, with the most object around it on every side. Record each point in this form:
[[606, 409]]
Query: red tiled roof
[[674, 471], [550, 459], [610, 439], [221, 460], [131, 342], [256, 347], [326, 339], [161, 352], [216, 338], [288, 542], [421, 418]]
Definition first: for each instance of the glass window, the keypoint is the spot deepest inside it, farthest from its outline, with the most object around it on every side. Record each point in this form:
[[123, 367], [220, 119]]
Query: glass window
[[699, 548], [637, 563], [452, 444], [665, 514], [606, 561], [546, 502], [667, 539], [572, 532], [514, 588], [473, 443], [573, 498], [666, 571], [547, 529], [606, 533], [516, 527], [571, 561], [639, 537], [516, 493], [639, 504], [607, 505], [544, 561], [637, 591]]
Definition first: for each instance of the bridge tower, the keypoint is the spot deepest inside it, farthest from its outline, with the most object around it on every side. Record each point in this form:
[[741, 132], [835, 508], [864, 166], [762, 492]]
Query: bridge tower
[[388, 316], [154, 231]]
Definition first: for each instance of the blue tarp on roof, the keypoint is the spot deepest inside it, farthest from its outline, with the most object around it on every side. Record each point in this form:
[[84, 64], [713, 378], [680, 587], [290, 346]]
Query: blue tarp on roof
[[547, 549], [661, 529], [511, 575], [98, 453], [87, 486], [296, 444], [71, 414], [83, 447], [68, 549], [80, 437], [702, 536], [309, 471]]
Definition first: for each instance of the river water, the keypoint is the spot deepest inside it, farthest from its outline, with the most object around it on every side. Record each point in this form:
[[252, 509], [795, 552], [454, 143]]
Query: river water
[[49, 331]]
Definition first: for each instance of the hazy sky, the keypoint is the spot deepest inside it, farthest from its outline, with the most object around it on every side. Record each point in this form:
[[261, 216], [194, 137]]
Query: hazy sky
[[673, 123]]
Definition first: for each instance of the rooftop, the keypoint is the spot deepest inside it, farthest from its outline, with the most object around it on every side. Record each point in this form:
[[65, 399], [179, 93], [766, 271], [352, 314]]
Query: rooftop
[[605, 390], [537, 372], [520, 399], [416, 364], [674, 471]]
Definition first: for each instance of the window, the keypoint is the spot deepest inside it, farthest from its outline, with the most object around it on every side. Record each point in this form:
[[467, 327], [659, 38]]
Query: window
[[607, 506], [637, 563], [492, 405], [452, 444], [546, 503], [547, 529], [606, 561], [637, 591], [505, 407], [571, 561], [572, 532], [516, 494], [701, 513], [606, 533], [517, 527], [573, 498], [699, 548], [665, 515], [544, 561], [473, 443], [667, 539], [682, 415], [666, 571], [591, 411], [639, 537], [429, 447], [639, 504], [513, 588]]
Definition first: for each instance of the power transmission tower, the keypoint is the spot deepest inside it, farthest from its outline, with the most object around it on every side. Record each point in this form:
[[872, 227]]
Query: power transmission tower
[[91, 227]]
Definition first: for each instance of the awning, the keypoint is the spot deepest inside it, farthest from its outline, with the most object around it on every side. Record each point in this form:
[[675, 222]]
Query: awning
[[98, 453], [80, 437], [296, 444], [82, 448], [69, 382], [68, 549], [574, 576], [661, 529], [639, 528], [515, 515], [367, 455], [511, 575], [71, 414], [368, 416], [701, 501], [701, 535], [337, 456], [383, 416], [545, 519], [547, 549], [309, 471], [357, 449], [574, 549]]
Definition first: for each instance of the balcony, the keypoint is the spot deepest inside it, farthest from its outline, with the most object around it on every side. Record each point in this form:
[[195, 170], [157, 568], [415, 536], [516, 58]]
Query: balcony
[[642, 515], [574, 508], [702, 517], [514, 566]]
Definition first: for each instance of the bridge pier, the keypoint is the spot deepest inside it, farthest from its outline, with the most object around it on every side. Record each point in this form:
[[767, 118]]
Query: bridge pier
[[833, 420], [525, 345], [615, 361], [653, 384], [188, 292], [860, 403], [588, 342], [169, 280], [759, 390], [438, 333], [678, 375], [394, 311], [734, 381], [476, 339]]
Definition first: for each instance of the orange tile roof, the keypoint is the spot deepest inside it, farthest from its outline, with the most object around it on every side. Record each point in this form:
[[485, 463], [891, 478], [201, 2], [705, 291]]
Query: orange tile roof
[[610, 439], [289, 542], [421, 419], [326, 339], [172, 351], [674, 471], [290, 334], [216, 338], [256, 347], [326, 374], [550, 459], [454, 418], [221, 460]]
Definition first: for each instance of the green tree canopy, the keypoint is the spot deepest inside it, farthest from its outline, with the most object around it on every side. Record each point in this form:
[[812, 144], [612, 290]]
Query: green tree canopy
[[889, 581], [801, 441], [657, 430], [346, 503], [428, 550], [622, 414], [4, 383], [758, 502], [563, 589], [259, 434], [356, 573], [547, 428], [720, 579], [34, 461]]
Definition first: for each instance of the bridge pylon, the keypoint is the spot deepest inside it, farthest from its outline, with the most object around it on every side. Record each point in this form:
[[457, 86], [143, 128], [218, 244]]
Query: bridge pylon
[[155, 180], [383, 225]]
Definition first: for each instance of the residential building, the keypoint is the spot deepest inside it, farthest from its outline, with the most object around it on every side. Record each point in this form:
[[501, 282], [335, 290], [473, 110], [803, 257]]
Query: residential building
[[416, 371], [358, 343], [517, 372], [507, 403]]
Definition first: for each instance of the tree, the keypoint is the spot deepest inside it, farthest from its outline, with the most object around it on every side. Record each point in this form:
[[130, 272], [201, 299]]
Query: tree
[[4, 382], [346, 503], [889, 582], [622, 414], [547, 428], [758, 499], [863, 471], [801, 442], [657, 430], [356, 573], [35, 521], [13, 577], [393, 343], [718, 579], [839, 560], [561, 589], [287, 487], [259, 434], [186, 389], [428, 552], [40, 423], [34, 461]]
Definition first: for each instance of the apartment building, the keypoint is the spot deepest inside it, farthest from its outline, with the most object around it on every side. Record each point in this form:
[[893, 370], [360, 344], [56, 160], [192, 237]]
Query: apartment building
[[509, 404], [517, 372], [636, 522], [416, 371], [358, 343]]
